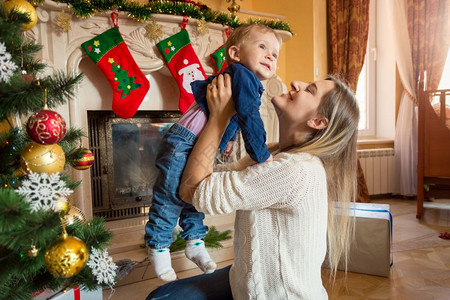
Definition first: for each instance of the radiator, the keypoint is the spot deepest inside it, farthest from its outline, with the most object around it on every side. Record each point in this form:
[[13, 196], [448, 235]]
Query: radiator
[[378, 168]]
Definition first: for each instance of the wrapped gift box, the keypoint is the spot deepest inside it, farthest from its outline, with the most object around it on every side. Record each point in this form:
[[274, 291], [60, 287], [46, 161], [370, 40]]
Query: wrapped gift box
[[69, 294], [371, 251]]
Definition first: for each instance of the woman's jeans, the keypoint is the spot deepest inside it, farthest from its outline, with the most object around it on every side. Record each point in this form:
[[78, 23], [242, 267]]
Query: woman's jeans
[[214, 286], [167, 206]]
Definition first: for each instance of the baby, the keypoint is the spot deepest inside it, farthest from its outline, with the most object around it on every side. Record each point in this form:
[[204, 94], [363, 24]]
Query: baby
[[252, 53]]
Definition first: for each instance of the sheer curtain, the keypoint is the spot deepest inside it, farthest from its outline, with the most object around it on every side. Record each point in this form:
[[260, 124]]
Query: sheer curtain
[[348, 30], [406, 128], [425, 23]]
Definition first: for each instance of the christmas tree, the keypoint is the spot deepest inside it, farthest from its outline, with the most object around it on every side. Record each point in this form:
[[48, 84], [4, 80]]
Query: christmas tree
[[45, 242], [126, 83]]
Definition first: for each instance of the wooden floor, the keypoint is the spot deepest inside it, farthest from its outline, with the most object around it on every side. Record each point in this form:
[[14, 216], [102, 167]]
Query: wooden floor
[[421, 268]]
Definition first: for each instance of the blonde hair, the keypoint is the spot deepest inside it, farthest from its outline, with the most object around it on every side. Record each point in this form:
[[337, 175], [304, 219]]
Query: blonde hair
[[335, 145], [241, 33]]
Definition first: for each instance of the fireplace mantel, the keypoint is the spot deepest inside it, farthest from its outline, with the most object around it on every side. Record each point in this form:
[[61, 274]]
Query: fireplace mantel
[[62, 51]]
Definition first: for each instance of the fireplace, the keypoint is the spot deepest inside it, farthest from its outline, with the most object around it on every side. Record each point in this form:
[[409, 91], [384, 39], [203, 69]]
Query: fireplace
[[62, 51], [124, 171]]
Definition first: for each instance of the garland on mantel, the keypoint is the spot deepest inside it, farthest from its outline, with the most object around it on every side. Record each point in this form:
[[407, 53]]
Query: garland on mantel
[[140, 12]]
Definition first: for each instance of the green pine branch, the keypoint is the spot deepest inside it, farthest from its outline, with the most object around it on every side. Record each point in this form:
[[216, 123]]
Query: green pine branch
[[21, 97], [24, 94], [212, 239], [11, 23], [71, 141], [21, 274], [11, 145], [60, 87]]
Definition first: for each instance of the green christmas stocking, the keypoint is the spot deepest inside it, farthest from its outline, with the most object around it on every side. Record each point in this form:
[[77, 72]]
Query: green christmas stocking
[[218, 58], [183, 64], [111, 54]]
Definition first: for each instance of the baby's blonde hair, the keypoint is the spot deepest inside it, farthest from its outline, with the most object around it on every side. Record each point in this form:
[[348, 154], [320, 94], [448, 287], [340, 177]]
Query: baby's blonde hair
[[240, 34]]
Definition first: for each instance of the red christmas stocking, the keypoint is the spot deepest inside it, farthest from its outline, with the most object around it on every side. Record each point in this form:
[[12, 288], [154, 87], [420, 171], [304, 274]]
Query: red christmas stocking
[[183, 64], [218, 58], [111, 54]]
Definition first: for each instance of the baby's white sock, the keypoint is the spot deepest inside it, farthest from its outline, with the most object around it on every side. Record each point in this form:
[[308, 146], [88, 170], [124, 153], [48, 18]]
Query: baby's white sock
[[160, 259], [196, 252]]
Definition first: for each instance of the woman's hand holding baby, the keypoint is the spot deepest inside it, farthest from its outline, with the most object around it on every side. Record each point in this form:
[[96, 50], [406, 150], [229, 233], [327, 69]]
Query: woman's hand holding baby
[[220, 101], [201, 160]]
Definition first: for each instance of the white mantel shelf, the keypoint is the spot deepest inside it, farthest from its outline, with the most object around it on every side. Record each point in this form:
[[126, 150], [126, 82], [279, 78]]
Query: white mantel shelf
[[62, 51]]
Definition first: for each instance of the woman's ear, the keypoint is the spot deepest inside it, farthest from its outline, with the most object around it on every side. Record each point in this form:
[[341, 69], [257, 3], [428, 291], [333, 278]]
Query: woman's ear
[[318, 122], [233, 52]]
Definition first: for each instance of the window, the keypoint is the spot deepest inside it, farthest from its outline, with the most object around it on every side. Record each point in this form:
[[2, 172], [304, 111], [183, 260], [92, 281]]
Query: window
[[445, 79], [376, 90]]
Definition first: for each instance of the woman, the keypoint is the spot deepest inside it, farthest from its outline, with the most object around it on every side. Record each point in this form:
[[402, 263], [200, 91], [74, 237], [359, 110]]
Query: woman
[[284, 208]]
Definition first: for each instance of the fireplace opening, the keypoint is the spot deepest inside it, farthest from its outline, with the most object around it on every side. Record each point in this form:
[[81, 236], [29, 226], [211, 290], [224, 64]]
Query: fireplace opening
[[124, 171]]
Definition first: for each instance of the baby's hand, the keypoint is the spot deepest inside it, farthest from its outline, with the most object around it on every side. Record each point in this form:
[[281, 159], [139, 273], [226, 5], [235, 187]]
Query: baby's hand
[[270, 158], [229, 149]]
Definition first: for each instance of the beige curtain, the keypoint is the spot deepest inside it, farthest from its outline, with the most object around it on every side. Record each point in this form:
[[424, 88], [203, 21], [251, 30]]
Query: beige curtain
[[348, 29], [429, 33]]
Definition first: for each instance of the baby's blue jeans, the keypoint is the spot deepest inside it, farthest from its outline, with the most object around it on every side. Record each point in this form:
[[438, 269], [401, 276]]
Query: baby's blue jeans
[[167, 206]]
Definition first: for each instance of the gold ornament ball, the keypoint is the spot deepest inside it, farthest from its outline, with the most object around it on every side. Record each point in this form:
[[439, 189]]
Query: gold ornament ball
[[74, 215], [66, 256], [24, 7], [42, 158], [63, 205]]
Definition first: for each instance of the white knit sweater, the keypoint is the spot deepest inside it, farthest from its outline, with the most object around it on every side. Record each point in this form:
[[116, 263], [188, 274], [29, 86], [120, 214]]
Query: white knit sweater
[[280, 227]]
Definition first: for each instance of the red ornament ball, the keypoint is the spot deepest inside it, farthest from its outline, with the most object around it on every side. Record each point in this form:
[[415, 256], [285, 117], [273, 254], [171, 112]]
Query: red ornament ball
[[28, 78], [46, 127], [86, 159]]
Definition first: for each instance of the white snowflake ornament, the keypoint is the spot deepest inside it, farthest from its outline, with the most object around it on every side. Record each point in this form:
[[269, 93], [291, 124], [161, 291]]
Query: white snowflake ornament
[[102, 266], [43, 191], [7, 67]]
